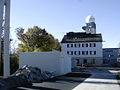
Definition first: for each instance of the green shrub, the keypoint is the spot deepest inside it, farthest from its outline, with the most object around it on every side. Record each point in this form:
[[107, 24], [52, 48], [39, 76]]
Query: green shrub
[[13, 62]]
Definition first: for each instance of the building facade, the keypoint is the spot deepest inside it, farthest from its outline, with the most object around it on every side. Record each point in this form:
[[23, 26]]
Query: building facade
[[84, 48], [110, 55]]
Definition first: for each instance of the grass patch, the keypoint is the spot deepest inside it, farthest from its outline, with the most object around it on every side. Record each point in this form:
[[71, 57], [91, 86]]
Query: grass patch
[[118, 77]]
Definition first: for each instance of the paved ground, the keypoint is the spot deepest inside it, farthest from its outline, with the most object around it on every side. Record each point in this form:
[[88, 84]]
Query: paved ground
[[101, 79], [67, 82]]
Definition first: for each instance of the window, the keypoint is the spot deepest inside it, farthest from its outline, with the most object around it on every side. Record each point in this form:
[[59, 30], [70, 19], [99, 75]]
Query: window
[[71, 45], [82, 45], [94, 52], [94, 44], [71, 52], [79, 45], [74, 52], [90, 45], [86, 52], [90, 52], [67, 52], [67, 45], [83, 52], [74, 45], [79, 52], [86, 45]]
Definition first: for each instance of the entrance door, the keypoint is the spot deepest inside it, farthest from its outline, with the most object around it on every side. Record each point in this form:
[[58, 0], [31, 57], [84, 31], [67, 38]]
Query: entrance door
[[77, 62], [84, 61]]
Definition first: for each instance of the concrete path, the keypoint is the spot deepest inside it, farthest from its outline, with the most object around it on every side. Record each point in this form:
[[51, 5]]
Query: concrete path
[[101, 79]]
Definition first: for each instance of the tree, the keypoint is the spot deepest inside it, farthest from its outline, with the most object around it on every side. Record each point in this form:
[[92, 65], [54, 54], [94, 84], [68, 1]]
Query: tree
[[36, 40]]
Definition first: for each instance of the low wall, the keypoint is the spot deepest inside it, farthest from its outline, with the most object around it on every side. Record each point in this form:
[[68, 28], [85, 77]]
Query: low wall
[[47, 61]]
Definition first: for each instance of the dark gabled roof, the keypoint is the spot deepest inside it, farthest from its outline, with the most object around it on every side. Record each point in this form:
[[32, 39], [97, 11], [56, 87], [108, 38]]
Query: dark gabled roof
[[74, 37]]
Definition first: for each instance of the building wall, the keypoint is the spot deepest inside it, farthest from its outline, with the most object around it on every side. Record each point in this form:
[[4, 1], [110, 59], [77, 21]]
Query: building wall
[[110, 55], [92, 50], [91, 61], [46, 61]]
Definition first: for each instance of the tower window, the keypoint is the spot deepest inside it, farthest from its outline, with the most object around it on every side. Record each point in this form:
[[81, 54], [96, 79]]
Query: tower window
[[79, 52], [71, 45], [79, 45]]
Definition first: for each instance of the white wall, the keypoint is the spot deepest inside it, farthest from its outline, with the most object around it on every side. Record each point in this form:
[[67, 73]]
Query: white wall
[[47, 61], [65, 63], [98, 49]]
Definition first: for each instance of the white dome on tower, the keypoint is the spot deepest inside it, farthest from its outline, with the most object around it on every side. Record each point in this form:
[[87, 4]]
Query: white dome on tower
[[90, 19]]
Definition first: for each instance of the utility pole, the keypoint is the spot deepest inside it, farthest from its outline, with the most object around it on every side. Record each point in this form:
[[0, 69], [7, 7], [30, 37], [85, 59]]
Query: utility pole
[[1, 27], [5, 25]]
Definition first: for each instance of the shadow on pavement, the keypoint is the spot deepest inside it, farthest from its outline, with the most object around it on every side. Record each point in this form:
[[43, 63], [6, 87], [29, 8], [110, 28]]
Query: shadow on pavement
[[34, 88], [65, 82]]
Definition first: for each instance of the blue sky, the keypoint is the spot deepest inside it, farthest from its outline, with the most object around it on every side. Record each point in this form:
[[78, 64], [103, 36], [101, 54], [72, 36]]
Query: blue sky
[[61, 16]]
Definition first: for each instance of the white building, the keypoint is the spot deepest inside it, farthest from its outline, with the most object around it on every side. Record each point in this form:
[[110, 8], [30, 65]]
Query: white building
[[84, 47]]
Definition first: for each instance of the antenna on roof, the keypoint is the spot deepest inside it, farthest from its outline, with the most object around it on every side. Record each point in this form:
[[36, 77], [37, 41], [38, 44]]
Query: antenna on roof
[[90, 25]]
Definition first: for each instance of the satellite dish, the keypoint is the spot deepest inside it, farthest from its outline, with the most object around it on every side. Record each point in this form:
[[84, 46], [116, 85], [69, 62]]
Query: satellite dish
[[90, 19]]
